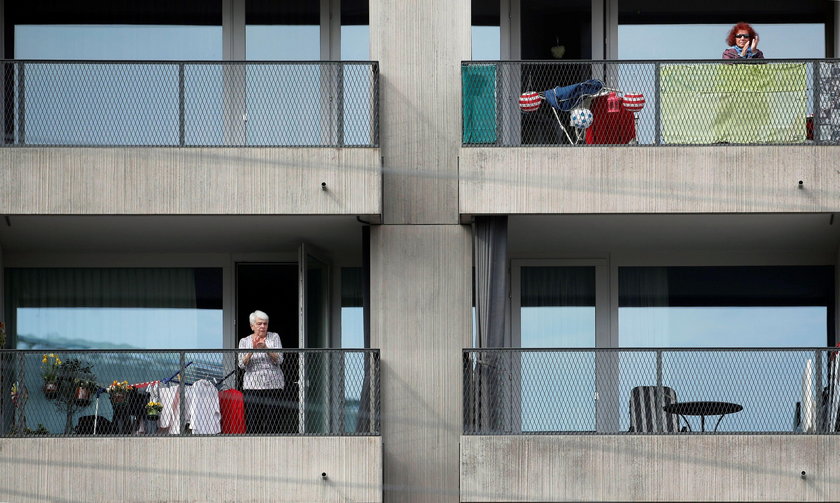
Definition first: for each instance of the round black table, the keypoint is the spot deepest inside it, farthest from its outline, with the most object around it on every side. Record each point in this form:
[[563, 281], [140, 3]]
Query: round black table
[[703, 409]]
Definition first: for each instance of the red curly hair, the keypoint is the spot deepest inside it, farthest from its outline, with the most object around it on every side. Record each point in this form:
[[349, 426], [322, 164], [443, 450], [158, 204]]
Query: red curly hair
[[730, 39]]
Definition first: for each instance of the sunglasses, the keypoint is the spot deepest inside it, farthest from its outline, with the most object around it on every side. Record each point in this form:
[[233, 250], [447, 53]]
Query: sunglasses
[[742, 35]]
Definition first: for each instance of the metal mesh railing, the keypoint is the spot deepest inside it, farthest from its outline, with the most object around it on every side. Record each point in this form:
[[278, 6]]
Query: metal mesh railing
[[122, 103], [685, 102], [188, 392], [660, 391]]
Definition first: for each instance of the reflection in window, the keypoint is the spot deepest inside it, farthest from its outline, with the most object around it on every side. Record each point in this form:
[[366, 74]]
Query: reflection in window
[[557, 311], [675, 307], [283, 43], [352, 336], [118, 42], [110, 308], [558, 307], [725, 306]]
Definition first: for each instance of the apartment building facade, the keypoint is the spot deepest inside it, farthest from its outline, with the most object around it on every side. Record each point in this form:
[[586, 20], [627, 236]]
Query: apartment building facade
[[252, 144]]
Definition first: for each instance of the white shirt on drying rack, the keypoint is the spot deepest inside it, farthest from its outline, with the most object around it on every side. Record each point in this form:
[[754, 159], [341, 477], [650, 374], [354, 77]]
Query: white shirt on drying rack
[[203, 411], [170, 415]]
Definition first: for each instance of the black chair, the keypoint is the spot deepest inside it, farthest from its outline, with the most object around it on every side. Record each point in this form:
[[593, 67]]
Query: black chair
[[643, 410]]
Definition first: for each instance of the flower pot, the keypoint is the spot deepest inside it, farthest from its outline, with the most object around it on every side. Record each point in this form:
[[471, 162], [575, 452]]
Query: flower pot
[[50, 389], [152, 417], [82, 397], [117, 397], [150, 426]]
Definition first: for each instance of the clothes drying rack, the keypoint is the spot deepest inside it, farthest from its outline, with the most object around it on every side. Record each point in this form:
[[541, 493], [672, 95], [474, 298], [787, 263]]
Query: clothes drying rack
[[174, 378]]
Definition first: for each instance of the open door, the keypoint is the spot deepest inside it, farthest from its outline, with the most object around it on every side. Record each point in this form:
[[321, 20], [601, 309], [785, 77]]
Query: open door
[[313, 333]]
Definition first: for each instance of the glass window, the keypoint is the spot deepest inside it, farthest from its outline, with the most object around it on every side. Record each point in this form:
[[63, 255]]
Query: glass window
[[725, 306], [115, 308], [708, 41], [557, 311], [352, 336], [711, 307], [283, 43], [558, 307], [118, 42]]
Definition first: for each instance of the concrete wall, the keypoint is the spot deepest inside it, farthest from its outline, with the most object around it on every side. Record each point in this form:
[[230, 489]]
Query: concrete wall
[[276, 469], [420, 296], [190, 181], [650, 468], [649, 180], [419, 46]]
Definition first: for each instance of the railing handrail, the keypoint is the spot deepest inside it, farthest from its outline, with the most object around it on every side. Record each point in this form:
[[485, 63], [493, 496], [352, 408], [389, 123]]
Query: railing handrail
[[647, 61], [192, 61], [654, 349], [182, 350]]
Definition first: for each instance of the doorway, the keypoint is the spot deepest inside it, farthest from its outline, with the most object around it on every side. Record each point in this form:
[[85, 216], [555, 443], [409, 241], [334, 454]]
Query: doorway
[[273, 289]]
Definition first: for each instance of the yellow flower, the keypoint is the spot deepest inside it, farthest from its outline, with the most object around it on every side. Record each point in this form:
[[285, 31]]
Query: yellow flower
[[44, 359], [57, 361]]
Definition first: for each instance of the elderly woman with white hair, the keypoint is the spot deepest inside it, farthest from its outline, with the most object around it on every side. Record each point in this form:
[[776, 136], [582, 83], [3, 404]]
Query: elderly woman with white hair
[[263, 382]]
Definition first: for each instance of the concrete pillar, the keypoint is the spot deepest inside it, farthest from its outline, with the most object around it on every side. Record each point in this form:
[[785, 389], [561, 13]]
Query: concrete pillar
[[420, 46], [420, 300]]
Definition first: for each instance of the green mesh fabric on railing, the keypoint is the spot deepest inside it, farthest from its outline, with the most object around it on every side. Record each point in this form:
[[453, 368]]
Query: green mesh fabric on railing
[[726, 103]]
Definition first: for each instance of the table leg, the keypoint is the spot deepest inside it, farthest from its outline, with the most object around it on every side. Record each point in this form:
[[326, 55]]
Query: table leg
[[718, 421], [687, 424], [702, 423]]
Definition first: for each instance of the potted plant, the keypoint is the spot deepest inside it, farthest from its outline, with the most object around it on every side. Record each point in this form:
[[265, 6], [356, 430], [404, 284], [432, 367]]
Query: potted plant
[[85, 388], [152, 415], [153, 410], [118, 391], [72, 375], [50, 366]]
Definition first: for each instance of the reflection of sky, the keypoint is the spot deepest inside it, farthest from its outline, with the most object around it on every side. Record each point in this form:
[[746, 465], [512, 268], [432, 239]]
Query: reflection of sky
[[126, 42], [558, 389], [558, 327], [722, 326], [102, 328], [125, 109]]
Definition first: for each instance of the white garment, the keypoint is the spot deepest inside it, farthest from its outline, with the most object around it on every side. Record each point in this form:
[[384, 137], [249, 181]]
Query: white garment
[[834, 395], [170, 416], [203, 413]]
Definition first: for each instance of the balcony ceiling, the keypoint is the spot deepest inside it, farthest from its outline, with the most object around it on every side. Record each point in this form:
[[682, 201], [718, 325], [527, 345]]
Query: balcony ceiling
[[530, 235], [339, 235], [586, 234]]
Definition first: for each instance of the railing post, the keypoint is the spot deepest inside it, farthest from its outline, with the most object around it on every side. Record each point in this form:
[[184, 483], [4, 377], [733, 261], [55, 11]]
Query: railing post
[[815, 120], [182, 127], [21, 103], [818, 384], [657, 99], [659, 393], [182, 395], [375, 93], [374, 393]]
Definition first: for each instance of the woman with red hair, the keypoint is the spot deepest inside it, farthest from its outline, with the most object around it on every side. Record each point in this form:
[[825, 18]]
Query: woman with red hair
[[743, 43]]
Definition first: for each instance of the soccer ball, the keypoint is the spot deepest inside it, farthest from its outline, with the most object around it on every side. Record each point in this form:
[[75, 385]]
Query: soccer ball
[[581, 118]]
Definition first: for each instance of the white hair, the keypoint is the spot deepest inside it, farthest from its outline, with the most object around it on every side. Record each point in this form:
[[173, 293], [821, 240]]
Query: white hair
[[257, 315]]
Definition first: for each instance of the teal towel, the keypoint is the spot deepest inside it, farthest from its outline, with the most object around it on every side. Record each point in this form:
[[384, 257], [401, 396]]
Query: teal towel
[[478, 96]]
